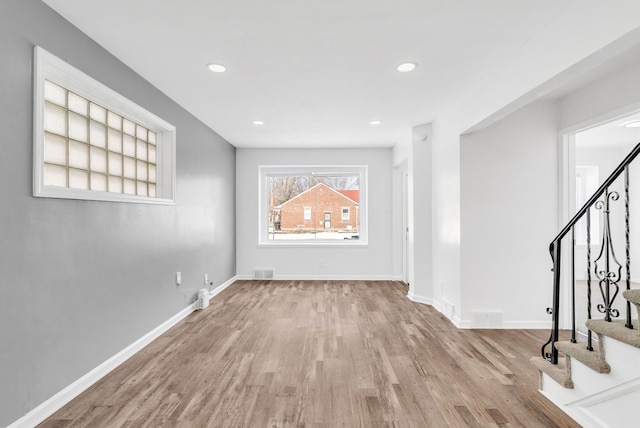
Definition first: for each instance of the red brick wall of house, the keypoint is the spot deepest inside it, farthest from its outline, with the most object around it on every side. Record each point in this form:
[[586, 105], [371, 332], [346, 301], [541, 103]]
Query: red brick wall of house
[[328, 200]]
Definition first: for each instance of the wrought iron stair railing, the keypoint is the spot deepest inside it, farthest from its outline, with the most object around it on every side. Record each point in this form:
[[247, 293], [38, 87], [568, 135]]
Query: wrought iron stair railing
[[606, 268]]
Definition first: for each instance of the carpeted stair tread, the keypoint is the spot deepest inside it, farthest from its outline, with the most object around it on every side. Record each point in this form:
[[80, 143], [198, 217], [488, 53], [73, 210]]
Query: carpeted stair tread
[[579, 351], [616, 330], [632, 295], [560, 372]]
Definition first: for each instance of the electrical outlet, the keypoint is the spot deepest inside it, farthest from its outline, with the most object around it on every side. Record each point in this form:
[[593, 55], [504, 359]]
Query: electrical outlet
[[178, 278], [206, 279]]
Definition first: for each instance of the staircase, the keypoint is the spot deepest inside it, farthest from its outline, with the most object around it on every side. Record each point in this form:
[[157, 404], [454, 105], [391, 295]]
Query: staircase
[[596, 380]]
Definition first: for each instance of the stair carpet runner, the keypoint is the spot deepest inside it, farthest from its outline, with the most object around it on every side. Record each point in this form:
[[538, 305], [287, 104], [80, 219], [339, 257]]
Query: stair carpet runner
[[595, 359]]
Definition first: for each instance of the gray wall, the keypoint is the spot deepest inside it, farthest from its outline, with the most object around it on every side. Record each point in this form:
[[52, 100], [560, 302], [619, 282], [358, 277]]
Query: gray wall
[[81, 280]]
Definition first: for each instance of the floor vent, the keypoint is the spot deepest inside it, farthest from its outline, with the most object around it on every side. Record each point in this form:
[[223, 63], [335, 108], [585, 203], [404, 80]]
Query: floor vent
[[263, 274]]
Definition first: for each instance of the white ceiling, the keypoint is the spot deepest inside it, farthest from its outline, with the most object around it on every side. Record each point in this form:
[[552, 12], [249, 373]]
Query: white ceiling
[[316, 72]]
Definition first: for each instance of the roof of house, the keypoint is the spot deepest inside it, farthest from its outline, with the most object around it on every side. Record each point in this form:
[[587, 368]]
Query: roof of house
[[340, 192], [354, 195]]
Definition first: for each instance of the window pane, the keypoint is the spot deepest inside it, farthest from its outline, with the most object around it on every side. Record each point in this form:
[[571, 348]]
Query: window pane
[[129, 187], [98, 160], [152, 137], [115, 164], [78, 155], [98, 113], [55, 93], [141, 132], [98, 182], [129, 145], [77, 127], [78, 104], [115, 141], [141, 151], [98, 136], [55, 175], [55, 119], [142, 188], [312, 206], [142, 170], [152, 190], [55, 149], [152, 154], [128, 127], [152, 173], [115, 184], [115, 121], [129, 168], [78, 179]]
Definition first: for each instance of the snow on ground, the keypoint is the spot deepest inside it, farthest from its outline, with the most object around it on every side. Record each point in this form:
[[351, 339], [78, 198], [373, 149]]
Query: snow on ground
[[325, 236]]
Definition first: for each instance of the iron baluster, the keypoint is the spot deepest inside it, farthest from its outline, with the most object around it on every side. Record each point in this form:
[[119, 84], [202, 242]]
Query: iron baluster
[[552, 356], [627, 246], [607, 278], [589, 333], [573, 284]]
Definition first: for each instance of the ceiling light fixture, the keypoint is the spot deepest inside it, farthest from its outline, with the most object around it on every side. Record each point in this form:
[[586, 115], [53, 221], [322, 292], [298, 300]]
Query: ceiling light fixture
[[217, 68], [375, 122], [406, 67], [632, 124], [258, 122]]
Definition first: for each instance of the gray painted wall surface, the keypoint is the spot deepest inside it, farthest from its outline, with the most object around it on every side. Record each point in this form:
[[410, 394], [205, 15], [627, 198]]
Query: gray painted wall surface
[[81, 280]]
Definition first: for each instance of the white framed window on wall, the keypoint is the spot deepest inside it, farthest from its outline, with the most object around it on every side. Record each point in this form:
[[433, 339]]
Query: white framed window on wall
[[346, 213], [92, 143], [313, 205]]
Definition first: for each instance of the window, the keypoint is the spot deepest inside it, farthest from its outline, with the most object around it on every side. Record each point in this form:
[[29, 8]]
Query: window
[[313, 205], [587, 182], [92, 143], [346, 213]]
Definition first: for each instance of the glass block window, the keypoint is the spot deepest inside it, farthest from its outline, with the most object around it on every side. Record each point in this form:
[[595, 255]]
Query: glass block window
[[92, 143], [89, 147]]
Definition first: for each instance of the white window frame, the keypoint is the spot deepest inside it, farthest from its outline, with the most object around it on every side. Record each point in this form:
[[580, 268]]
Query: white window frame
[[263, 203], [342, 213], [49, 67]]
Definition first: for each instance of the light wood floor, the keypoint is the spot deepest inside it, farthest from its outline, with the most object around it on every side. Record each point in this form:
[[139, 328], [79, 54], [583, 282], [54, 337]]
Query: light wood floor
[[321, 354]]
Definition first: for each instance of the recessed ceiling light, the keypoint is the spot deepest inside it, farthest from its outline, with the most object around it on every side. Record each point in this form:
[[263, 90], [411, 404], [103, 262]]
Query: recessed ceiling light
[[406, 67], [258, 122], [375, 122], [217, 68], [632, 124]]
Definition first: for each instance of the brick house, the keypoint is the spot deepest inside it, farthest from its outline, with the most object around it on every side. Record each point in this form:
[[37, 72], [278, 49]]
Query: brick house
[[319, 208]]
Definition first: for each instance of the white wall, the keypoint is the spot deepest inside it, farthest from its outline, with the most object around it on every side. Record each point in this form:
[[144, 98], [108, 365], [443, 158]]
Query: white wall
[[571, 43], [508, 188], [607, 98], [374, 261], [420, 216]]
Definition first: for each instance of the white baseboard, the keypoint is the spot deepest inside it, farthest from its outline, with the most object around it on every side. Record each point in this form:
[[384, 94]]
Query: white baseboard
[[421, 299], [322, 277], [508, 325], [53, 404]]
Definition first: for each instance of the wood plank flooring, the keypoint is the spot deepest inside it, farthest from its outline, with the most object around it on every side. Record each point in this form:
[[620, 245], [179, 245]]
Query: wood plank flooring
[[321, 354]]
